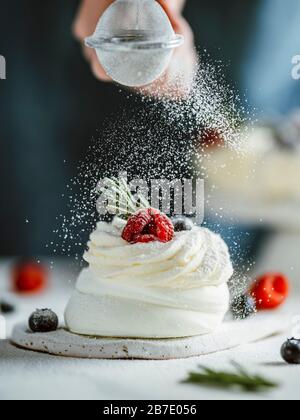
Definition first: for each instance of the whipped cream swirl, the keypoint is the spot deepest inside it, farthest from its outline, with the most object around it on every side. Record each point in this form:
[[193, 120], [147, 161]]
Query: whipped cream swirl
[[193, 259]]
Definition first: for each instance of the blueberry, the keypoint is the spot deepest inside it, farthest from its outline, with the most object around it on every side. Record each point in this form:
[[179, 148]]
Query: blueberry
[[6, 308], [43, 320], [182, 224], [290, 351], [243, 306]]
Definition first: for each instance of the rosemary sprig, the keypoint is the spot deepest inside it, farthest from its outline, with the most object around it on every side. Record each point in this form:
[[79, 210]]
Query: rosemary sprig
[[120, 198], [220, 379]]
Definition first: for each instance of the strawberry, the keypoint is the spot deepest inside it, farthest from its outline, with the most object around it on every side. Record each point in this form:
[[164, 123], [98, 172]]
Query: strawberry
[[148, 225], [270, 290]]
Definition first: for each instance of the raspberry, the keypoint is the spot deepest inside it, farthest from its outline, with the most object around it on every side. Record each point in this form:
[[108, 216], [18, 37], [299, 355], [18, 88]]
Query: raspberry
[[164, 227], [270, 291], [136, 224], [29, 277], [148, 225], [146, 238]]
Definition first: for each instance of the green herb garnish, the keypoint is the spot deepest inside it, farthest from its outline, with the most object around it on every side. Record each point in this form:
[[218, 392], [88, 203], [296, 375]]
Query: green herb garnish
[[120, 199], [242, 379]]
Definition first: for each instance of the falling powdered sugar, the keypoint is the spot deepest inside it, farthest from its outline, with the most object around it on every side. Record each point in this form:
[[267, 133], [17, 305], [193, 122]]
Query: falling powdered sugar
[[159, 136]]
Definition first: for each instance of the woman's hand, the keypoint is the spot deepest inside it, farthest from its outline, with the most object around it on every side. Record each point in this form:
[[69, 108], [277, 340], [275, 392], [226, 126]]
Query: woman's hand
[[184, 59], [84, 25]]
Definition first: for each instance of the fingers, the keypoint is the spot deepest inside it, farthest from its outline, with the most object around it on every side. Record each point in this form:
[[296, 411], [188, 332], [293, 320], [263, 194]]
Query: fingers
[[170, 12], [84, 25], [97, 69], [87, 19], [185, 29], [177, 81], [88, 16]]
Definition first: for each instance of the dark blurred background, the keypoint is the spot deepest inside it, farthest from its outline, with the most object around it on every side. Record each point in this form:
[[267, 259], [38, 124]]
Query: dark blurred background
[[51, 105]]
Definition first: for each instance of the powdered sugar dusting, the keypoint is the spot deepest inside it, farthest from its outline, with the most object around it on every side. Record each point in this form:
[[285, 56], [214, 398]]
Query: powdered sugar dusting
[[158, 137]]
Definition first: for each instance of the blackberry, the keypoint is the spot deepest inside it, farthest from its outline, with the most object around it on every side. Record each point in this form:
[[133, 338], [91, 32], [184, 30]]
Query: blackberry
[[290, 351], [182, 224], [243, 306], [6, 308]]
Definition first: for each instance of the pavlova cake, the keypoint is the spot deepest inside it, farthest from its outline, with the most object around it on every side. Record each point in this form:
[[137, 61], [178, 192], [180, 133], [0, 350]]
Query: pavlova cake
[[150, 277]]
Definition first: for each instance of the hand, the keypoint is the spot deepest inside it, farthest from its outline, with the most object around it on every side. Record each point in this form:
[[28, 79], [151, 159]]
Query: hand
[[183, 61], [84, 25]]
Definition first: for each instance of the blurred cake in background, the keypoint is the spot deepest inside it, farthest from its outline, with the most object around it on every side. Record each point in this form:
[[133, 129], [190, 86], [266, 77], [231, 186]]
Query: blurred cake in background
[[267, 169]]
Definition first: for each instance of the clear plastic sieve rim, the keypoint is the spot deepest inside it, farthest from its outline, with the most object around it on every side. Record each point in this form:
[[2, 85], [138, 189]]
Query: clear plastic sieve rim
[[127, 43]]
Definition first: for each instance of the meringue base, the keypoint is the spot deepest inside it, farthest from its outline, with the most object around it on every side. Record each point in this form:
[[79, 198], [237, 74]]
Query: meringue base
[[112, 316]]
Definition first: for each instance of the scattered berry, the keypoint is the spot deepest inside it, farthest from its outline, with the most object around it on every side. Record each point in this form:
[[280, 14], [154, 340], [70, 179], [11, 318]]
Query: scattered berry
[[6, 308], [243, 306], [270, 291], [290, 351], [43, 320], [182, 224], [148, 225], [212, 138], [29, 277]]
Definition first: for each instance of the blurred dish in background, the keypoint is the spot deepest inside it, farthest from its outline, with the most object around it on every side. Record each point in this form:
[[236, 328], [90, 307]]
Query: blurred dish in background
[[261, 183]]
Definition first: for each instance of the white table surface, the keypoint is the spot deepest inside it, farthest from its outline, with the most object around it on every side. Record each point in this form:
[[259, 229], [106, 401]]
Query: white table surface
[[29, 375]]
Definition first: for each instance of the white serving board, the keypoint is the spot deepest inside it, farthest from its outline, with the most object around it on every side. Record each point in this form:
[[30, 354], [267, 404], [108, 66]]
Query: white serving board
[[232, 334]]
